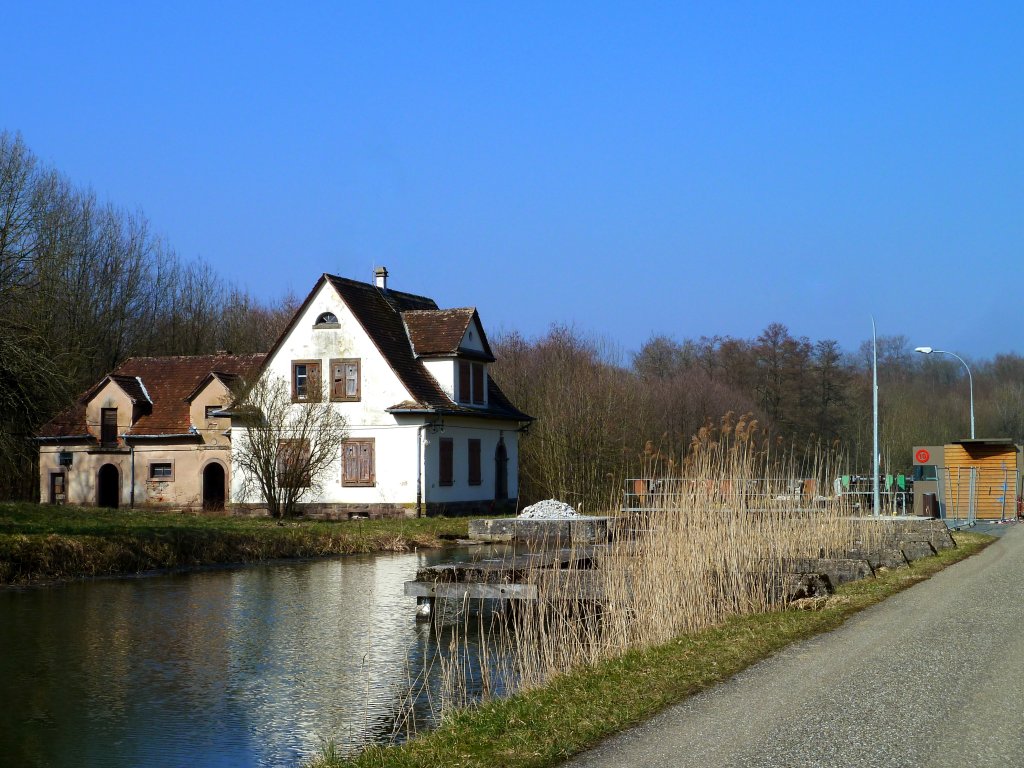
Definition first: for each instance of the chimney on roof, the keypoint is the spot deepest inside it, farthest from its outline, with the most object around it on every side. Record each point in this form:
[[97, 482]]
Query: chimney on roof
[[380, 276]]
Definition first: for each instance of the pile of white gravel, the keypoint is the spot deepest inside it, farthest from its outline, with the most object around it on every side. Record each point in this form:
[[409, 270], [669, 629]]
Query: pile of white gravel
[[549, 509]]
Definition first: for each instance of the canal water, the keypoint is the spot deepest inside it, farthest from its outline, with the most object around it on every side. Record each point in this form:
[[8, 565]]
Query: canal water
[[247, 666]]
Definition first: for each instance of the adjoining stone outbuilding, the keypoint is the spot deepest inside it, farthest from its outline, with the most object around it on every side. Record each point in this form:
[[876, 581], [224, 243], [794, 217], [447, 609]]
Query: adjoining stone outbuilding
[[146, 436]]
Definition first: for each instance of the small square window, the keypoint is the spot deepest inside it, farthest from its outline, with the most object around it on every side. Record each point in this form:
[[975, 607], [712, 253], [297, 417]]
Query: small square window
[[161, 471], [211, 410]]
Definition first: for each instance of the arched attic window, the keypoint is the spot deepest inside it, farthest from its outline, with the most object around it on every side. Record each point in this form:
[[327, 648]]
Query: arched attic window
[[326, 320]]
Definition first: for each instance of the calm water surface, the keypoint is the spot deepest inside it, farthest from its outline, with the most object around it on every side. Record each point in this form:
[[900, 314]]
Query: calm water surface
[[237, 667]]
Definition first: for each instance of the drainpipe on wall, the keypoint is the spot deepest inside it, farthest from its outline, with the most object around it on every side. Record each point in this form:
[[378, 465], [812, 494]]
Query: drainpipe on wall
[[131, 492], [419, 469]]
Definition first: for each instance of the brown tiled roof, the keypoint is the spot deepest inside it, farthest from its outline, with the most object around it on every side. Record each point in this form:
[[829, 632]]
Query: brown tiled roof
[[68, 423], [380, 313], [132, 387], [439, 332], [166, 382]]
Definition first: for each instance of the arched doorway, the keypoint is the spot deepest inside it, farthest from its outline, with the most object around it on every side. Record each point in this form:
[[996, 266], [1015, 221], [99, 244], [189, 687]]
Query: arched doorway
[[214, 490], [108, 487], [501, 471]]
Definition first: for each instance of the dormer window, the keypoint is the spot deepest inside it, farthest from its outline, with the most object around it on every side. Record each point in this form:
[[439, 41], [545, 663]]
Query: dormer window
[[326, 320], [472, 382]]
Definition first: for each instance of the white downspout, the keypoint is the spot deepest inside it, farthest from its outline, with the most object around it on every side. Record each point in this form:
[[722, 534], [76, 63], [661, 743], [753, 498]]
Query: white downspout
[[419, 469]]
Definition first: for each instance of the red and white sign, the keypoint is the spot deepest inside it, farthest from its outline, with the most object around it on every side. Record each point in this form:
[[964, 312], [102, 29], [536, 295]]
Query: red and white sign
[[922, 456]]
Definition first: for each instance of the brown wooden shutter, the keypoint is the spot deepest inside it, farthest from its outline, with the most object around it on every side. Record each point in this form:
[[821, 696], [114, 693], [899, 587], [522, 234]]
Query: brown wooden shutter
[[337, 380], [478, 383], [447, 467], [464, 386], [314, 389], [366, 462], [474, 461], [352, 380], [350, 464]]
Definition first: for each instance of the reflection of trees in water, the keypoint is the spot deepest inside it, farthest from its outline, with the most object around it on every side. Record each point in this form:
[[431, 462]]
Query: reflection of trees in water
[[256, 663], [453, 661]]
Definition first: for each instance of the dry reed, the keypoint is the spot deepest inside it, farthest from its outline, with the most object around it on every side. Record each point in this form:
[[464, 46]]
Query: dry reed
[[713, 544]]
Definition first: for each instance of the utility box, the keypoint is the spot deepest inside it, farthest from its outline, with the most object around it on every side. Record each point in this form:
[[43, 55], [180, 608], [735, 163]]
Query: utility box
[[929, 461]]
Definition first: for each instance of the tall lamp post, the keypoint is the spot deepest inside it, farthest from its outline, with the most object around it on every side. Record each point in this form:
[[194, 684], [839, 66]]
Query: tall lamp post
[[970, 379]]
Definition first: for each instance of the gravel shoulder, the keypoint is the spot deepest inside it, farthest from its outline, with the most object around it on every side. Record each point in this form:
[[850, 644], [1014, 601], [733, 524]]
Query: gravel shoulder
[[932, 677]]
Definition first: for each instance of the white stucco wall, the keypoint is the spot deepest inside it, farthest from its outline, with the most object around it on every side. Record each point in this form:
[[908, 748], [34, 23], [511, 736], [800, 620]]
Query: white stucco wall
[[395, 437], [461, 431], [443, 369]]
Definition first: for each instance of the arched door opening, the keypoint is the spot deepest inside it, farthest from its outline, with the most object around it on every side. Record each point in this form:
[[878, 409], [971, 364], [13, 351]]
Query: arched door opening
[[108, 487], [214, 487]]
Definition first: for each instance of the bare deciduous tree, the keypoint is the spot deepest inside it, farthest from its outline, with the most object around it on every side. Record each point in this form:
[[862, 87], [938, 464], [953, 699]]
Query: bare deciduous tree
[[285, 448]]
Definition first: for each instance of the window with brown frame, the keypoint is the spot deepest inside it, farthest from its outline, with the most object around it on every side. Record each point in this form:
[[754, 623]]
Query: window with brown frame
[[161, 471], [345, 380], [474, 461], [305, 380], [357, 468], [210, 410], [471, 382], [293, 457], [446, 467], [108, 426]]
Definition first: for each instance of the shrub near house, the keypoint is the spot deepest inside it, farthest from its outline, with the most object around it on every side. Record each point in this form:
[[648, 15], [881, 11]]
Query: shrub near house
[[427, 429]]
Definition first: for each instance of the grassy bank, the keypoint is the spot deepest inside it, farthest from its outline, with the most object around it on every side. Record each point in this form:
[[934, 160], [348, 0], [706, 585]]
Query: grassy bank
[[544, 726], [41, 543]]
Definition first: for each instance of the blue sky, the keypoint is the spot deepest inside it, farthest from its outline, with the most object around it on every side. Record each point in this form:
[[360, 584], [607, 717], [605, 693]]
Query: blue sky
[[630, 169]]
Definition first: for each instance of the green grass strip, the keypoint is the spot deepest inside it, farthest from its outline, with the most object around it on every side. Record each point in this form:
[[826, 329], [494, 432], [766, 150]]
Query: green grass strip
[[42, 543], [544, 727]]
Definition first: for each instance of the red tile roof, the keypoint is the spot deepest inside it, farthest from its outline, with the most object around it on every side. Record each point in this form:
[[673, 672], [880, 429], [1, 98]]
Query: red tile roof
[[166, 382], [380, 312], [439, 332]]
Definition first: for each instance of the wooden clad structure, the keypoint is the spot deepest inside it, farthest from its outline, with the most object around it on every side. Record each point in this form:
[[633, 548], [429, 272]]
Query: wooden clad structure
[[995, 465]]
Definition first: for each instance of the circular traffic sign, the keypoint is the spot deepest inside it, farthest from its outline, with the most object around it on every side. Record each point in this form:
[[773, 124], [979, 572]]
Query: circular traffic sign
[[922, 456]]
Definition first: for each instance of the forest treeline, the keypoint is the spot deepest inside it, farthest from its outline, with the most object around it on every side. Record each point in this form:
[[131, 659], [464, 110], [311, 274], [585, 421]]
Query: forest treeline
[[85, 285], [603, 417]]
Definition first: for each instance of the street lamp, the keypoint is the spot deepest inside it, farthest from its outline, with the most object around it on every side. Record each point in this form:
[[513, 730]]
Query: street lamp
[[970, 379]]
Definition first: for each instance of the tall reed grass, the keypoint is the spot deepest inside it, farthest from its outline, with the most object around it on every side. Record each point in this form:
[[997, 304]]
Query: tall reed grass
[[712, 543]]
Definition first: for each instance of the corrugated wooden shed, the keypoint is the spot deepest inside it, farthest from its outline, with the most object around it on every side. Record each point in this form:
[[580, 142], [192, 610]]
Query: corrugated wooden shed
[[997, 462]]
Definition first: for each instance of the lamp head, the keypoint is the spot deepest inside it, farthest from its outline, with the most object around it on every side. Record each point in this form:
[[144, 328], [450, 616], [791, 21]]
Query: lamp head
[[923, 350]]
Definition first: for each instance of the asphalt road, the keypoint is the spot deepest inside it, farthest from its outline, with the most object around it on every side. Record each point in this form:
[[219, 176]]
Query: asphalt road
[[933, 676]]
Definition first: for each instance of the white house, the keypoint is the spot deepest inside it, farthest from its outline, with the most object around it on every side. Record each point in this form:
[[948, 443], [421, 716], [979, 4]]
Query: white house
[[429, 431]]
